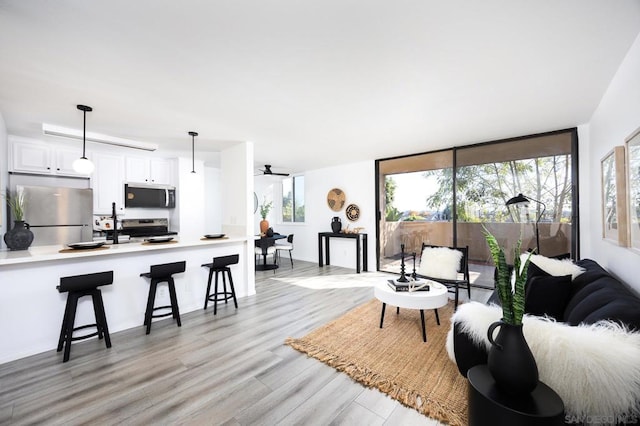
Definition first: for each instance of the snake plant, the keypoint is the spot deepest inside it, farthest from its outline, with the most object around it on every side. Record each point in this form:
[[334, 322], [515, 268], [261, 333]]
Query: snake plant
[[512, 299], [16, 203]]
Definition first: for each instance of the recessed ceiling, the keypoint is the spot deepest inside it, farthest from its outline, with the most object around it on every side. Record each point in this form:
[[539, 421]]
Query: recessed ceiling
[[310, 83]]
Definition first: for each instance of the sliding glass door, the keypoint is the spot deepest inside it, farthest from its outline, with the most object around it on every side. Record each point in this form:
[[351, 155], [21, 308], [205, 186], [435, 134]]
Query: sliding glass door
[[407, 220], [450, 197]]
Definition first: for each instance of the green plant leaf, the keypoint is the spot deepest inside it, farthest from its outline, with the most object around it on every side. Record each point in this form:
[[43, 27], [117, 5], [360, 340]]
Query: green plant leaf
[[504, 277]]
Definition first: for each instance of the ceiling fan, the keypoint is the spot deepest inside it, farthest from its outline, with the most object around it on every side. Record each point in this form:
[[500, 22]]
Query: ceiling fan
[[267, 171]]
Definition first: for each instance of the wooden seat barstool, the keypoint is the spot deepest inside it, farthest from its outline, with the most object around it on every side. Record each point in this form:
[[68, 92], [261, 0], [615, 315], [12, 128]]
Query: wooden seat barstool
[[221, 265], [158, 274], [78, 286]]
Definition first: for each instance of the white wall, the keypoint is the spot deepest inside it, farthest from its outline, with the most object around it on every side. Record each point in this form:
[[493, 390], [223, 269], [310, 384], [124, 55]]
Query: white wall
[[213, 200], [236, 172], [617, 116], [357, 181], [4, 178], [190, 206]]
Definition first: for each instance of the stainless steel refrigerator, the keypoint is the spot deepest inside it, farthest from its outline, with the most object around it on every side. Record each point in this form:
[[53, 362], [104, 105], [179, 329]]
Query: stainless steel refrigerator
[[58, 215]]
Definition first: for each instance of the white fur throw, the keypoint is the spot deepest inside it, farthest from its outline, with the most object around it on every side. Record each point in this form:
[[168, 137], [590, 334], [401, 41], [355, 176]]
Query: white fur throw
[[555, 267], [440, 262], [594, 368]]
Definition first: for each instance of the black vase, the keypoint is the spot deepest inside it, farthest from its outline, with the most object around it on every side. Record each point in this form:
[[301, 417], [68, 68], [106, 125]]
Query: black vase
[[20, 237], [336, 225], [510, 360]]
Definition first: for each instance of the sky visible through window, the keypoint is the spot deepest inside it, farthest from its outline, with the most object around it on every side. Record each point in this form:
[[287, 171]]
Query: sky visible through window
[[412, 190]]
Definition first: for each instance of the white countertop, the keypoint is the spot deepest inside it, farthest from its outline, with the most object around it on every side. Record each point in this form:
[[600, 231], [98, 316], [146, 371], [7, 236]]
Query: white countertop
[[49, 253]]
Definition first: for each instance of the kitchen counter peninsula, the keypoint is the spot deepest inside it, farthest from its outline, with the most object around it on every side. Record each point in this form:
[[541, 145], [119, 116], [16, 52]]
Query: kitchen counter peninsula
[[59, 252], [31, 308]]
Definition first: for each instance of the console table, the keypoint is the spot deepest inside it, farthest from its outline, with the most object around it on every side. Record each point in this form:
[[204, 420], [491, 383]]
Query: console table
[[488, 405], [326, 236]]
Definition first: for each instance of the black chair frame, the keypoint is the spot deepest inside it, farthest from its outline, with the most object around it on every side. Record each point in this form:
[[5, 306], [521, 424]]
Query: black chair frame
[[290, 241]]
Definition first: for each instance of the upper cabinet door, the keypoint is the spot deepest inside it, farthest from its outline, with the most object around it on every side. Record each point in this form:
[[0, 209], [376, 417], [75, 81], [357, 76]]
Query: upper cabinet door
[[29, 157], [137, 169], [161, 171], [107, 182], [64, 161], [148, 170]]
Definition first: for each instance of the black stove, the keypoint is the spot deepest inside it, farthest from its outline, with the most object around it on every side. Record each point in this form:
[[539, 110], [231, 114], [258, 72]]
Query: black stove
[[146, 227]]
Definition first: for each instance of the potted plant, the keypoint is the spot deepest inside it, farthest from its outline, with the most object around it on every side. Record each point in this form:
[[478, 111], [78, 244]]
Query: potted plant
[[20, 237], [510, 360], [265, 208], [17, 204]]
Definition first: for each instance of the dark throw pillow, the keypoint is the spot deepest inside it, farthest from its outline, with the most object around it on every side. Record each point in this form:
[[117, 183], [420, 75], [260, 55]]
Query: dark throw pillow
[[547, 295], [535, 271]]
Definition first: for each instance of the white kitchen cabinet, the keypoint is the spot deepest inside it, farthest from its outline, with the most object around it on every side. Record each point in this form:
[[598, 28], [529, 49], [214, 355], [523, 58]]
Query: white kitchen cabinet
[[149, 170], [107, 182], [33, 156], [64, 161]]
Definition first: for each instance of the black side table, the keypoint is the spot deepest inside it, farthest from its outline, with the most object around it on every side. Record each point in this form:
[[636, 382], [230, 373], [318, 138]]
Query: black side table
[[488, 405]]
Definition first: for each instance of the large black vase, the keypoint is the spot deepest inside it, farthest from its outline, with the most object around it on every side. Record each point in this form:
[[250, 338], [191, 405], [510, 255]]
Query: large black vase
[[20, 237], [510, 360], [336, 224]]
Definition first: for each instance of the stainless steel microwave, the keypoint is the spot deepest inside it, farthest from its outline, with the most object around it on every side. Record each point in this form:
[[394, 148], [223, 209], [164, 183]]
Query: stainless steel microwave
[[149, 196]]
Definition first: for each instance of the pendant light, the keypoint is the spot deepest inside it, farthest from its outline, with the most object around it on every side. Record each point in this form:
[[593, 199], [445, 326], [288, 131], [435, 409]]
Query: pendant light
[[193, 159], [83, 165]]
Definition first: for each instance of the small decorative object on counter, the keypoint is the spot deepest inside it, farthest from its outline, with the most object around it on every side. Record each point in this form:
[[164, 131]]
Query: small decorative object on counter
[[336, 224], [20, 236], [510, 360]]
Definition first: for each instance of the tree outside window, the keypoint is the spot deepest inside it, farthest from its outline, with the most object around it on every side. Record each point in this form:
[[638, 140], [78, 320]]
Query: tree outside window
[[293, 199]]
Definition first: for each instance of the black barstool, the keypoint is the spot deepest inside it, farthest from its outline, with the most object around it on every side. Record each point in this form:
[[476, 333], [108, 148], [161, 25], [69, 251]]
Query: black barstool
[[221, 264], [162, 273], [78, 286]]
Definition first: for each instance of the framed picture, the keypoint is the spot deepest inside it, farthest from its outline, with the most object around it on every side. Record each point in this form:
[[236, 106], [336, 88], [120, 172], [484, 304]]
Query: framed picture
[[633, 181], [614, 197]]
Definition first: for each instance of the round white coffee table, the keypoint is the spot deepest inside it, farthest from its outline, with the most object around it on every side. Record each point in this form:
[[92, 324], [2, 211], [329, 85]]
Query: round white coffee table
[[435, 298]]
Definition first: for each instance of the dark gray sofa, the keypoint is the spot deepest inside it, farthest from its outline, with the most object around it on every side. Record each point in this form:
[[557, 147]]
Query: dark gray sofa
[[593, 295]]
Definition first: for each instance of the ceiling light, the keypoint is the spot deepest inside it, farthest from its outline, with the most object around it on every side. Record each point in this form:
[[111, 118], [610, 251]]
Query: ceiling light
[[83, 165], [193, 158], [66, 132]]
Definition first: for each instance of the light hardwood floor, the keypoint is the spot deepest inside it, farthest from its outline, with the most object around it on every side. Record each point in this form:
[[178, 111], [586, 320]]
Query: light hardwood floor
[[229, 369]]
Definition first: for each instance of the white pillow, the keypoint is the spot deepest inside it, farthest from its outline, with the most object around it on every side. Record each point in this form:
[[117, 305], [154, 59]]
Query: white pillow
[[440, 262], [555, 267]]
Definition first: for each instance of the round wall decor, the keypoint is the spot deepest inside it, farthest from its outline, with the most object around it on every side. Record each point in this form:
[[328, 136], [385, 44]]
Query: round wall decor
[[353, 212], [336, 199]]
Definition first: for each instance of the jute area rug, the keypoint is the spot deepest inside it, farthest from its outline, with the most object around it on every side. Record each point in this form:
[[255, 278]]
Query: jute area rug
[[394, 359]]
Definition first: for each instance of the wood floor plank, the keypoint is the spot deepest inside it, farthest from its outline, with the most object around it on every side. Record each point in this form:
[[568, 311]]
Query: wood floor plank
[[283, 400], [356, 414], [324, 406]]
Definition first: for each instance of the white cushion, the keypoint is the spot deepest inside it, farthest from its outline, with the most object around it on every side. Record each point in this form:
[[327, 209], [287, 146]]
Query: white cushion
[[284, 246], [270, 250], [555, 267], [440, 262]]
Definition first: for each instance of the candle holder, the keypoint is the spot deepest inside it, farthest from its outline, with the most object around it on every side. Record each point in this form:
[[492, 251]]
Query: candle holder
[[413, 274], [403, 278]]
